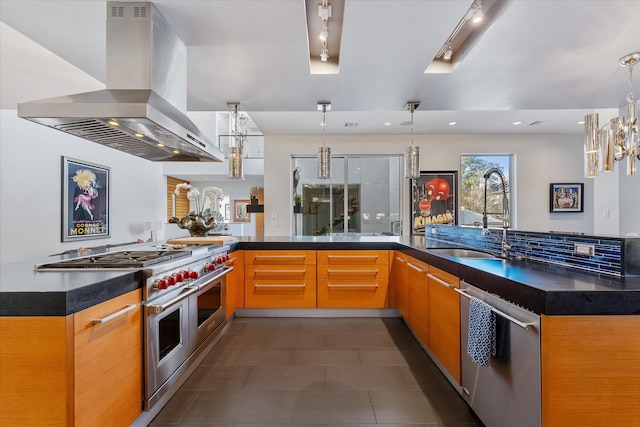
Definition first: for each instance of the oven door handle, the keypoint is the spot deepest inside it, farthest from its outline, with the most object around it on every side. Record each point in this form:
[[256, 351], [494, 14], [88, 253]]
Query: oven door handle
[[159, 308], [205, 282]]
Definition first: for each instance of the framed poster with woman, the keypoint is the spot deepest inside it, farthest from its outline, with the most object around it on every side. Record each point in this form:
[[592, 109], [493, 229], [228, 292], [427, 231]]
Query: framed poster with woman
[[85, 200]]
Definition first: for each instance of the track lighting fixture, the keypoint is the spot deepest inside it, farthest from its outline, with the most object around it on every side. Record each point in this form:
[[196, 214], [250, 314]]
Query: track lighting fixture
[[324, 152], [324, 11], [477, 14], [448, 52], [324, 34]]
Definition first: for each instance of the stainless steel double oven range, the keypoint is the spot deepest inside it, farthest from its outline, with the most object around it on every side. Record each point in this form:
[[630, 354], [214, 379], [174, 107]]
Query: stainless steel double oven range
[[183, 302]]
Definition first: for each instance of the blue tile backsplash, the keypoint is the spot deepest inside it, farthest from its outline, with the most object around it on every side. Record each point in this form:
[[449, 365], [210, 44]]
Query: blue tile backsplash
[[618, 256]]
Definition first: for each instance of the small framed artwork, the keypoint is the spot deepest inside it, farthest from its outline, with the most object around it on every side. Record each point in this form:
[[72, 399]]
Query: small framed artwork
[[240, 213], [85, 200], [227, 212], [566, 197], [434, 200]]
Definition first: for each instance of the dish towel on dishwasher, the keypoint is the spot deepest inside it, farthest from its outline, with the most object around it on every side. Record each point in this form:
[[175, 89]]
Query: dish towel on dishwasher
[[482, 332]]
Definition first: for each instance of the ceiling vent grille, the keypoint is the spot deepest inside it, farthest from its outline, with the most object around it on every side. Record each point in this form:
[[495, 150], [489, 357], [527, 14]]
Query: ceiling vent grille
[[117, 11], [536, 123], [350, 124], [140, 12]]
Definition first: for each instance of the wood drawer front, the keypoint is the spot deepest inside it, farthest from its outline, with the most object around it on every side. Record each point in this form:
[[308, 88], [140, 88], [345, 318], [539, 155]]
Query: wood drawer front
[[353, 272], [353, 257], [280, 293], [280, 272], [279, 257], [440, 276], [353, 293]]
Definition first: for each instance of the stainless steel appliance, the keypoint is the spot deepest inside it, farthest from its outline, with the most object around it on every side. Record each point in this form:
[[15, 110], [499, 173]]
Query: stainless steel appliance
[[183, 303], [507, 393], [142, 111]]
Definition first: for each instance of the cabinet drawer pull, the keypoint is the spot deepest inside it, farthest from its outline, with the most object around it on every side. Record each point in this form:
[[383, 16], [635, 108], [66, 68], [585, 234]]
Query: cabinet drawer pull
[[302, 285], [356, 257], [419, 270], [110, 317], [280, 257], [401, 259], [353, 286], [442, 282], [352, 271], [280, 271]]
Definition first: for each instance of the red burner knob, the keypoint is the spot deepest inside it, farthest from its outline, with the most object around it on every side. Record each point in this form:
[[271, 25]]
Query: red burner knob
[[226, 258], [211, 267], [171, 280], [179, 277], [194, 274], [162, 284]]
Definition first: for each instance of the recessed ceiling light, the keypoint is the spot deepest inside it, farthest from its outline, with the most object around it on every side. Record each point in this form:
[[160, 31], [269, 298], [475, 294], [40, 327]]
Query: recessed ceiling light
[[387, 123], [581, 122], [517, 123], [452, 123]]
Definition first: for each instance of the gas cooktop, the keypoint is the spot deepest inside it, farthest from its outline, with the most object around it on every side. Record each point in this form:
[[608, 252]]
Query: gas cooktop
[[127, 259]]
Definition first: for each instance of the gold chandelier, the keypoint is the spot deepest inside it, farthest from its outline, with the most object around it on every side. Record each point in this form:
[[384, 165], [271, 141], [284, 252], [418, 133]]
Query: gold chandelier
[[616, 140]]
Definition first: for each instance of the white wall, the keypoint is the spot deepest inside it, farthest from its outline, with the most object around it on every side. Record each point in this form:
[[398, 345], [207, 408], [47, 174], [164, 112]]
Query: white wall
[[539, 161], [31, 186]]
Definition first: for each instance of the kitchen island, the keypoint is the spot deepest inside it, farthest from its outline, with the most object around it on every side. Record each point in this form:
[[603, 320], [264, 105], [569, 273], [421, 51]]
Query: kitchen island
[[590, 322]]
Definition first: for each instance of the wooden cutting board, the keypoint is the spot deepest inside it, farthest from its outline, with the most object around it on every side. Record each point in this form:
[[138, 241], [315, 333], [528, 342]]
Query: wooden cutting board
[[206, 240]]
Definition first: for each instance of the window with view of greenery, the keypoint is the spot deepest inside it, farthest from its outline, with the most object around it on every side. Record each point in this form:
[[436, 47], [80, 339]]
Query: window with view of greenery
[[472, 188]]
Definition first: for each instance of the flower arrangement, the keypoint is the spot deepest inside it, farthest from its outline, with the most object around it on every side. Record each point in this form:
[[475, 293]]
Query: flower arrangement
[[201, 220], [200, 198]]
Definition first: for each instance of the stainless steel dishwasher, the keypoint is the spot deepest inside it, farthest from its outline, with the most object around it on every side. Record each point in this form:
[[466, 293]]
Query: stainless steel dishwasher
[[507, 393]]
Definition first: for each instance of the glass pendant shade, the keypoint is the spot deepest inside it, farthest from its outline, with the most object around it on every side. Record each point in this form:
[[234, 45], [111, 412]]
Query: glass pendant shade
[[235, 163], [606, 155], [412, 162], [324, 162], [591, 146]]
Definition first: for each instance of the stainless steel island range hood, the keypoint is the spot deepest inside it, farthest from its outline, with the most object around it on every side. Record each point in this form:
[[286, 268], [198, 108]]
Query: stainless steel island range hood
[[141, 111]]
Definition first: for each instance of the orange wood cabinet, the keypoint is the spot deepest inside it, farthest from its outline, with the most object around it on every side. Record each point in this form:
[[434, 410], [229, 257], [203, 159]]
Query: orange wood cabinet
[[418, 316], [399, 286], [280, 279], [235, 283], [72, 371], [353, 279], [444, 320], [590, 371]]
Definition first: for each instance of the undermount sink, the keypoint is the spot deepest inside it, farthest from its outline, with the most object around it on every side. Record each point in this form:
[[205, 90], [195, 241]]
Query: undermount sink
[[465, 253]]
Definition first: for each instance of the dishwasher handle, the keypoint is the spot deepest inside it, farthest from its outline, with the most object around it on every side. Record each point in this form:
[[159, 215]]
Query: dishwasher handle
[[523, 325]]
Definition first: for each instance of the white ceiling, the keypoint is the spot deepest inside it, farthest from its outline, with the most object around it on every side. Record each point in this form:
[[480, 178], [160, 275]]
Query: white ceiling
[[550, 61]]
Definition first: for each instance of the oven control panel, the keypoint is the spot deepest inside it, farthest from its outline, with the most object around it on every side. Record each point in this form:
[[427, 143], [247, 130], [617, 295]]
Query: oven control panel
[[183, 275]]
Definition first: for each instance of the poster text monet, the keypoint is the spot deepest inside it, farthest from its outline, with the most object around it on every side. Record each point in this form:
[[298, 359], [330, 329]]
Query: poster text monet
[[85, 200]]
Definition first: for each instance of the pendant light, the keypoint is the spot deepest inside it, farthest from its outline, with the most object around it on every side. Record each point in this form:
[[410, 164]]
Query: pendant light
[[412, 154], [618, 139], [236, 145], [324, 152]]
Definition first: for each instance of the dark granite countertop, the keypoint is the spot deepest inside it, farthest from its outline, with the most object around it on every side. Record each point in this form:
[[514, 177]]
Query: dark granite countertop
[[540, 287], [26, 292]]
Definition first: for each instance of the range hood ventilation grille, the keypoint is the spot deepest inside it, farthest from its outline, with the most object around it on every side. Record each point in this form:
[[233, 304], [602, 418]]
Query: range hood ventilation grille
[[117, 11]]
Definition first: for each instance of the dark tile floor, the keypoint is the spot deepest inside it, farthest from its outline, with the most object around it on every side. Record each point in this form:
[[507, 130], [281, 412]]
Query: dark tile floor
[[312, 372]]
